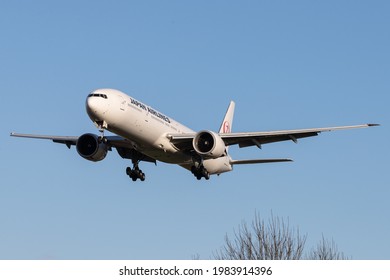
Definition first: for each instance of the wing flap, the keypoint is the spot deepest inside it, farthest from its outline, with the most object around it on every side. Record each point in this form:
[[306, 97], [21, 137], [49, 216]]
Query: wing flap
[[182, 142], [267, 139]]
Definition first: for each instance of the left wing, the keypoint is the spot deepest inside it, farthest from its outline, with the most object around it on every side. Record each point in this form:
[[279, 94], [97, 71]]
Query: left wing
[[124, 147], [67, 140], [259, 138]]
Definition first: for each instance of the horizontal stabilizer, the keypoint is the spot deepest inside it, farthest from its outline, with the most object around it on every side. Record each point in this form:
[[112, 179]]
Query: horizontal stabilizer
[[254, 161]]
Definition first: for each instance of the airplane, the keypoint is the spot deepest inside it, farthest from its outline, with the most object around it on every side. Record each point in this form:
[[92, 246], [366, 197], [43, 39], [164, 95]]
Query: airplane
[[145, 134]]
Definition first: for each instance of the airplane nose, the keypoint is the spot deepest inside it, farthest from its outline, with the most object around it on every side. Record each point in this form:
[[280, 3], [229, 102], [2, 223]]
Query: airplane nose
[[96, 106], [91, 105]]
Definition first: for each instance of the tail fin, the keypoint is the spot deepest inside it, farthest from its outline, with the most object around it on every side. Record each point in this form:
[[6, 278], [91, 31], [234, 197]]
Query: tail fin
[[227, 123]]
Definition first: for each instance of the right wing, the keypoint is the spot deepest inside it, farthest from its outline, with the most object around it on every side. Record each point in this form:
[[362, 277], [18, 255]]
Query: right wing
[[259, 138]]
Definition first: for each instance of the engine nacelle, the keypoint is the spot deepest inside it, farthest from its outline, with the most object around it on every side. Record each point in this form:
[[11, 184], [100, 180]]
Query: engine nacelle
[[91, 148], [209, 144]]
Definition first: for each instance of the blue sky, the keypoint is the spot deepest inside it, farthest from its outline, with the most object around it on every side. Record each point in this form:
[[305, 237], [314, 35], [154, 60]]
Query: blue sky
[[287, 64]]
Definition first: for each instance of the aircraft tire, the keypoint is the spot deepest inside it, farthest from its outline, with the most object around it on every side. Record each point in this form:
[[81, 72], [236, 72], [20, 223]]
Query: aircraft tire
[[128, 171]]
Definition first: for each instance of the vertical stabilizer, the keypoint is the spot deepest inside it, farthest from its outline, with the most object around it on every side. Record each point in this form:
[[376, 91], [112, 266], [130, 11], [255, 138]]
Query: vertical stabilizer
[[227, 123]]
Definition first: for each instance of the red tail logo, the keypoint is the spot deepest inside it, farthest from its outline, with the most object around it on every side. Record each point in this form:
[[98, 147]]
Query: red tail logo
[[226, 127]]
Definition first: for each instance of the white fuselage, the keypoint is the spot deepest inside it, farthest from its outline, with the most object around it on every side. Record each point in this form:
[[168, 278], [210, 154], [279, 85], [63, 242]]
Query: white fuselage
[[145, 127]]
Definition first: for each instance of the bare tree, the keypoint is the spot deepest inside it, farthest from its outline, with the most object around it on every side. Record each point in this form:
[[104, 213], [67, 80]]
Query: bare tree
[[274, 240], [195, 257], [326, 250]]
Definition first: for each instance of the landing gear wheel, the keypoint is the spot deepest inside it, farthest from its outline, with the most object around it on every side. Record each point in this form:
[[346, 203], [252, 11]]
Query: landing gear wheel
[[142, 176], [135, 173], [200, 172]]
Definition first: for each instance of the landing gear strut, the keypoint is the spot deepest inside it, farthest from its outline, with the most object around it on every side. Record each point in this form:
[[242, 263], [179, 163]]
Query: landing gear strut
[[135, 173], [101, 125], [200, 172]]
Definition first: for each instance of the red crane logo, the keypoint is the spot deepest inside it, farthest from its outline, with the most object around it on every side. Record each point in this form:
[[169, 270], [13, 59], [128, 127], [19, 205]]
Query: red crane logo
[[226, 127]]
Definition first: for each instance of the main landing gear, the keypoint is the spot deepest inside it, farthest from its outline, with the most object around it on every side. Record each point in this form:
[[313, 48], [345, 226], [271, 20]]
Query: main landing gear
[[135, 173], [200, 172]]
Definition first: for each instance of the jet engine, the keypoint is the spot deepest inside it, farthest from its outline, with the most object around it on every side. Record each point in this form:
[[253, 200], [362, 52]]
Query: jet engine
[[91, 148], [209, 144]]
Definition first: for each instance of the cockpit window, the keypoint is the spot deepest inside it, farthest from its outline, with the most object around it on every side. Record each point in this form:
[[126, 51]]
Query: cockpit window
[[98, 95]]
